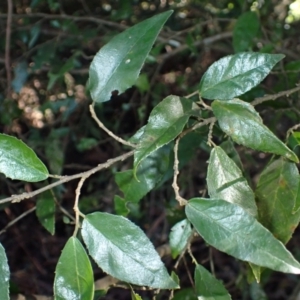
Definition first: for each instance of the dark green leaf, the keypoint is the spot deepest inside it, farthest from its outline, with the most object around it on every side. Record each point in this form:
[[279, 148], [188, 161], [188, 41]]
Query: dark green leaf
[[228, 228], [179, 237], [208, 287], [243, 124], [236, 74], [225, 181], [166, 121], [117, 65], [18, 161], [276, 193], [185, 294], [150, 172], [245, 30], [45, 211], [4, 275], [120, 206], [73, 275], [122, 250], [230, 150]]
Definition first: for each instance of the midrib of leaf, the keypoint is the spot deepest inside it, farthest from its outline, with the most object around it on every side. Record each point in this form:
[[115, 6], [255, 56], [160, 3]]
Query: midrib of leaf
[[76, 267], [236, 76], [226, 229], [162, 135], [110, 241], [118, 65]]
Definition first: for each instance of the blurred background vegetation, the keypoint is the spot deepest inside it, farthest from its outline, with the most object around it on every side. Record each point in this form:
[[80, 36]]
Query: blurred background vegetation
[[46, 47]]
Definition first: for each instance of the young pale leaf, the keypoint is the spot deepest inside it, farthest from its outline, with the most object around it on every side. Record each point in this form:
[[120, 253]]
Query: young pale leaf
[[45, 211], [225, 181], [117, 65], [122, 250], [228, 228], [208, 287], [276, 193], [236, 74], [150, 172], [245, 30], [73, 275], [179, 237], [166, 121], [18, 161], [4, 275], [243, 124]]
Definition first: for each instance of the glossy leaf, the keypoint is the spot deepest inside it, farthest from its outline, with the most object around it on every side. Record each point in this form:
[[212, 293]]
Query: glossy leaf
[[117, 65], [150, 172], [165, 122], [225, 181], [208, 287], [123, 251], [245, 30], [4, 275], [236, 74], [276, 194], [73, 275], [179, 237], [18, 161], [228, 228], [45, 211], [243, 124]]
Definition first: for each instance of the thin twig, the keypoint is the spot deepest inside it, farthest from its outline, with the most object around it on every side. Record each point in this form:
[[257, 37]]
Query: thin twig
[[7, 46], [175, 186], [204, 42], [76, 208], [18, 219], [275, 96], [107, 164], [295, 127], [110, 133]]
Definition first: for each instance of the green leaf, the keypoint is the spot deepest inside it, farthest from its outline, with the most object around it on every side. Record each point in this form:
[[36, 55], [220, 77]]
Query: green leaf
[[245, 30], [179, 237], [135, 296], [123, 251], [4, 275], [230, 150], [276, 193], [165, 122], [243, 124], [297, 201], [208, 287], [185, 294], [225, 181], [236, 74], [73, 275], [120, 206], [228, 228], [18, 161], [45, 211], [150, 172], [117, 65]]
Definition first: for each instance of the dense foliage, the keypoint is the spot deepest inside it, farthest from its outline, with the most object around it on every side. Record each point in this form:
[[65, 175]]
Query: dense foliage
[[181, 134]]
